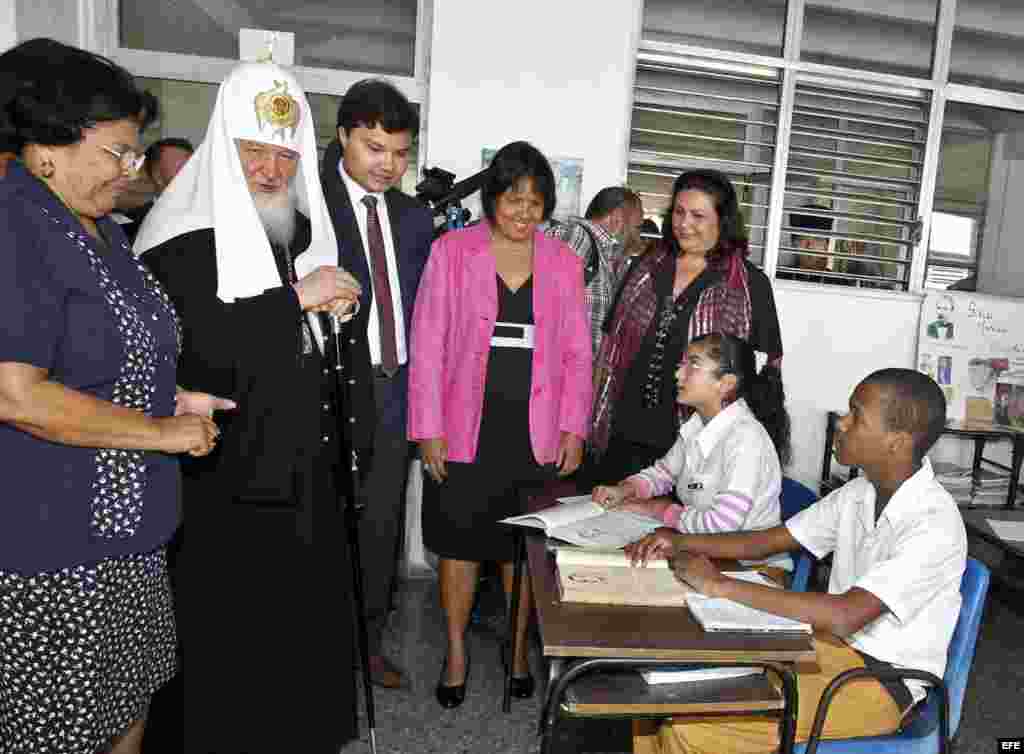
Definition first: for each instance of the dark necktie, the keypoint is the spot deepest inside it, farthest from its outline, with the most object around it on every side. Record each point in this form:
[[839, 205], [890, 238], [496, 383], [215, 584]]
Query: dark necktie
[[381, 288]]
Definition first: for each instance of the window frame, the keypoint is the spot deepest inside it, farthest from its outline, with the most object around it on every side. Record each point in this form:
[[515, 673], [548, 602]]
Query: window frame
[[98, 20]]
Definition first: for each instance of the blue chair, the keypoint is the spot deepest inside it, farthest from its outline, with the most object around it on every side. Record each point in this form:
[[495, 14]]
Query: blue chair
[[943, 705], [794, 498]]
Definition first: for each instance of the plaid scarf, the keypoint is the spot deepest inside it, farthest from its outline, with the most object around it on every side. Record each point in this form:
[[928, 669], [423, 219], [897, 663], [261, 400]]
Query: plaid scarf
[[723, 307]]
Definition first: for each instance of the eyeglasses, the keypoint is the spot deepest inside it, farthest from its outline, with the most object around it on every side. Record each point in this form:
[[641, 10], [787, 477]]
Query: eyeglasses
[[131, 161], [697, 366]]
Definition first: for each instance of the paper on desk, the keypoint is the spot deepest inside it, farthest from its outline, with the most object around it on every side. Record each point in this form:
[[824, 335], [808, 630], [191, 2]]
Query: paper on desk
[[613, 529], [582, 522], [696, 674], [1011, 530], [752, 577]]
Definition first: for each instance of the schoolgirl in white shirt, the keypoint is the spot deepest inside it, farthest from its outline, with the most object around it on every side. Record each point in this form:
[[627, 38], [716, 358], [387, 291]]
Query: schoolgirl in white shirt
[[724, 468]]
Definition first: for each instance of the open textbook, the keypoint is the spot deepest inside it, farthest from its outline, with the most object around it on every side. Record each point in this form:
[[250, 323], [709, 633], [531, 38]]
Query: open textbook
[[718, 614], [605, 577], [581, 521]]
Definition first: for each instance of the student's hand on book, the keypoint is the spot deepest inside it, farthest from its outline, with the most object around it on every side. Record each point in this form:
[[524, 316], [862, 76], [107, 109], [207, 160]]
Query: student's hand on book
[[655, 546], [570, 454], [434, 453], [649, 508], [696, 570], [620, 495], [608, 496]]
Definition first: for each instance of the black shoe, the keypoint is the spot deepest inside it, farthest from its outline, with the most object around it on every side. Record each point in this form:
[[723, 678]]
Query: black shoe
[[451, 697], [522, 686]]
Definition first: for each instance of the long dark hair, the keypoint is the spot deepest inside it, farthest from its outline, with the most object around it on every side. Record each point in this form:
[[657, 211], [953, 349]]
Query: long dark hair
[[732, 233], [762, 390]]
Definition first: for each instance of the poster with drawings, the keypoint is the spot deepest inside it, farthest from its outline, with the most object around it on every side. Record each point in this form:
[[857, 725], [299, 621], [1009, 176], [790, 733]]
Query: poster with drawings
[[973, 346]]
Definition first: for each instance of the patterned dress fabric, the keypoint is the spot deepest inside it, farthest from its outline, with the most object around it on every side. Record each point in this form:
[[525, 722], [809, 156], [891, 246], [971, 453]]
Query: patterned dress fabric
[[82, 651]]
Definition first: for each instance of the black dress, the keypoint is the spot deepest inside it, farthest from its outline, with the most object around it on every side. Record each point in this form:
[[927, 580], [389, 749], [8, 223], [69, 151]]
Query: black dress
[[459, 520]]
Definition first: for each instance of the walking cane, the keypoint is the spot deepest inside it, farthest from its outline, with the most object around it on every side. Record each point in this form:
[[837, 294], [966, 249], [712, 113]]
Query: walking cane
[[342, 397]]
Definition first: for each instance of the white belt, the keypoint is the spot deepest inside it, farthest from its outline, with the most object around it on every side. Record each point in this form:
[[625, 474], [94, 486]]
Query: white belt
[[513, 335]]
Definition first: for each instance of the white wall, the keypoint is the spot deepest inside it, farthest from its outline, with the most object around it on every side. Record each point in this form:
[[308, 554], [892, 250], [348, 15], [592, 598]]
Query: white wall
[[557, 74], [8, 24], [831, 340], [57, 19]]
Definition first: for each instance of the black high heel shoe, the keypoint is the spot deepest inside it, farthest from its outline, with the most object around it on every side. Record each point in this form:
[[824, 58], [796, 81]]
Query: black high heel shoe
[[520, 686], [451, 697]]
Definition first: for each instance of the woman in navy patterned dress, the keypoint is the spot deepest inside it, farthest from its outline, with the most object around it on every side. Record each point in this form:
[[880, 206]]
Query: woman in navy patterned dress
[[89, 420]]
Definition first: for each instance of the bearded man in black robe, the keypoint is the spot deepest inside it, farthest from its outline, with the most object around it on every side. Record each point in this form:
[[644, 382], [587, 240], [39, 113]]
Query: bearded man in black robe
[[244, 245]]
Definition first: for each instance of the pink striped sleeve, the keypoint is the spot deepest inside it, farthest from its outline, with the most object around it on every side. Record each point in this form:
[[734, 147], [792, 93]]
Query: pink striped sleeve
[[727, 514]]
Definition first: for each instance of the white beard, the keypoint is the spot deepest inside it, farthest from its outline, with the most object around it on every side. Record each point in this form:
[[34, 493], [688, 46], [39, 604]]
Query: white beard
[[277, 212]]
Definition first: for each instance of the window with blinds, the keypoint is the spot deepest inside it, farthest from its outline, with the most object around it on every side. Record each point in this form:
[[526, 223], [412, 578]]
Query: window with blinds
[[852, 185], [691, 112]]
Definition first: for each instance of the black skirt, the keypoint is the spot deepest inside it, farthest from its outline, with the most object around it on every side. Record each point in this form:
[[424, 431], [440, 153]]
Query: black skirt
[[460, 516]]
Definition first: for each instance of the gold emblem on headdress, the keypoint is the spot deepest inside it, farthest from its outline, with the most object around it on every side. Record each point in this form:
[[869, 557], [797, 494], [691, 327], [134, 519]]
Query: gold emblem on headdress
[[278, 109]]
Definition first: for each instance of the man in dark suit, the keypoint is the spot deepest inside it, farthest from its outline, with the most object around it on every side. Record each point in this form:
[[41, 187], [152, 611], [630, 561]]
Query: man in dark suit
[[385, 239]]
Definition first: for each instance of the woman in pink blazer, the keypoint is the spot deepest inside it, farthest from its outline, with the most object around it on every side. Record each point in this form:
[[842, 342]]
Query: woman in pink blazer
[[499, 387]]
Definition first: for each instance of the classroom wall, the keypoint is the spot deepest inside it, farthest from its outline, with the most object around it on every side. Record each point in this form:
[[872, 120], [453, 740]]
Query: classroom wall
[[830, 341], [57, 19], [558, 74]]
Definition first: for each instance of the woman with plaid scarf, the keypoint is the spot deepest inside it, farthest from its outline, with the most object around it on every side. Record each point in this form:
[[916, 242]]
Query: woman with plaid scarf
[[696, 280]]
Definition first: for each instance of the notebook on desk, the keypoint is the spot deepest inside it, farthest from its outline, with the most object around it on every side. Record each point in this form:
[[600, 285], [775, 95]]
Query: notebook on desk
[[719, 614]]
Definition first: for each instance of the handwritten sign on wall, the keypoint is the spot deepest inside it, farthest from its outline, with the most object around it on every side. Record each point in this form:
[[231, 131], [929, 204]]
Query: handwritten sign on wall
[[973, 346]]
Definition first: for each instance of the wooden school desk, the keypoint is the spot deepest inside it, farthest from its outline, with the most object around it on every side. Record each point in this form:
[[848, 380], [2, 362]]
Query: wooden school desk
[[580, 638]]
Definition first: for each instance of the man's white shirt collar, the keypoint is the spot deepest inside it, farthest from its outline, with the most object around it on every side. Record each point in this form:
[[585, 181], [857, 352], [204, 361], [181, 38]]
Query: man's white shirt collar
[[355, 191]]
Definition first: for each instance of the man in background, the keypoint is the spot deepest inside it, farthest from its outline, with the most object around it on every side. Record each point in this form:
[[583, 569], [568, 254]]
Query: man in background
[[600, 238], [813, 255], [164, 158]]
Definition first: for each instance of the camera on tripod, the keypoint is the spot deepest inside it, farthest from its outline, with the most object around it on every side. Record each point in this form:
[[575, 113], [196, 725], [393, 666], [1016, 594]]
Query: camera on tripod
[[439, 191]]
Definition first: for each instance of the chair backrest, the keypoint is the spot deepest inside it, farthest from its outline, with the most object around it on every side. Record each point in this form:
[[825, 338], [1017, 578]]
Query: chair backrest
[[794, 498], [973, 589]]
